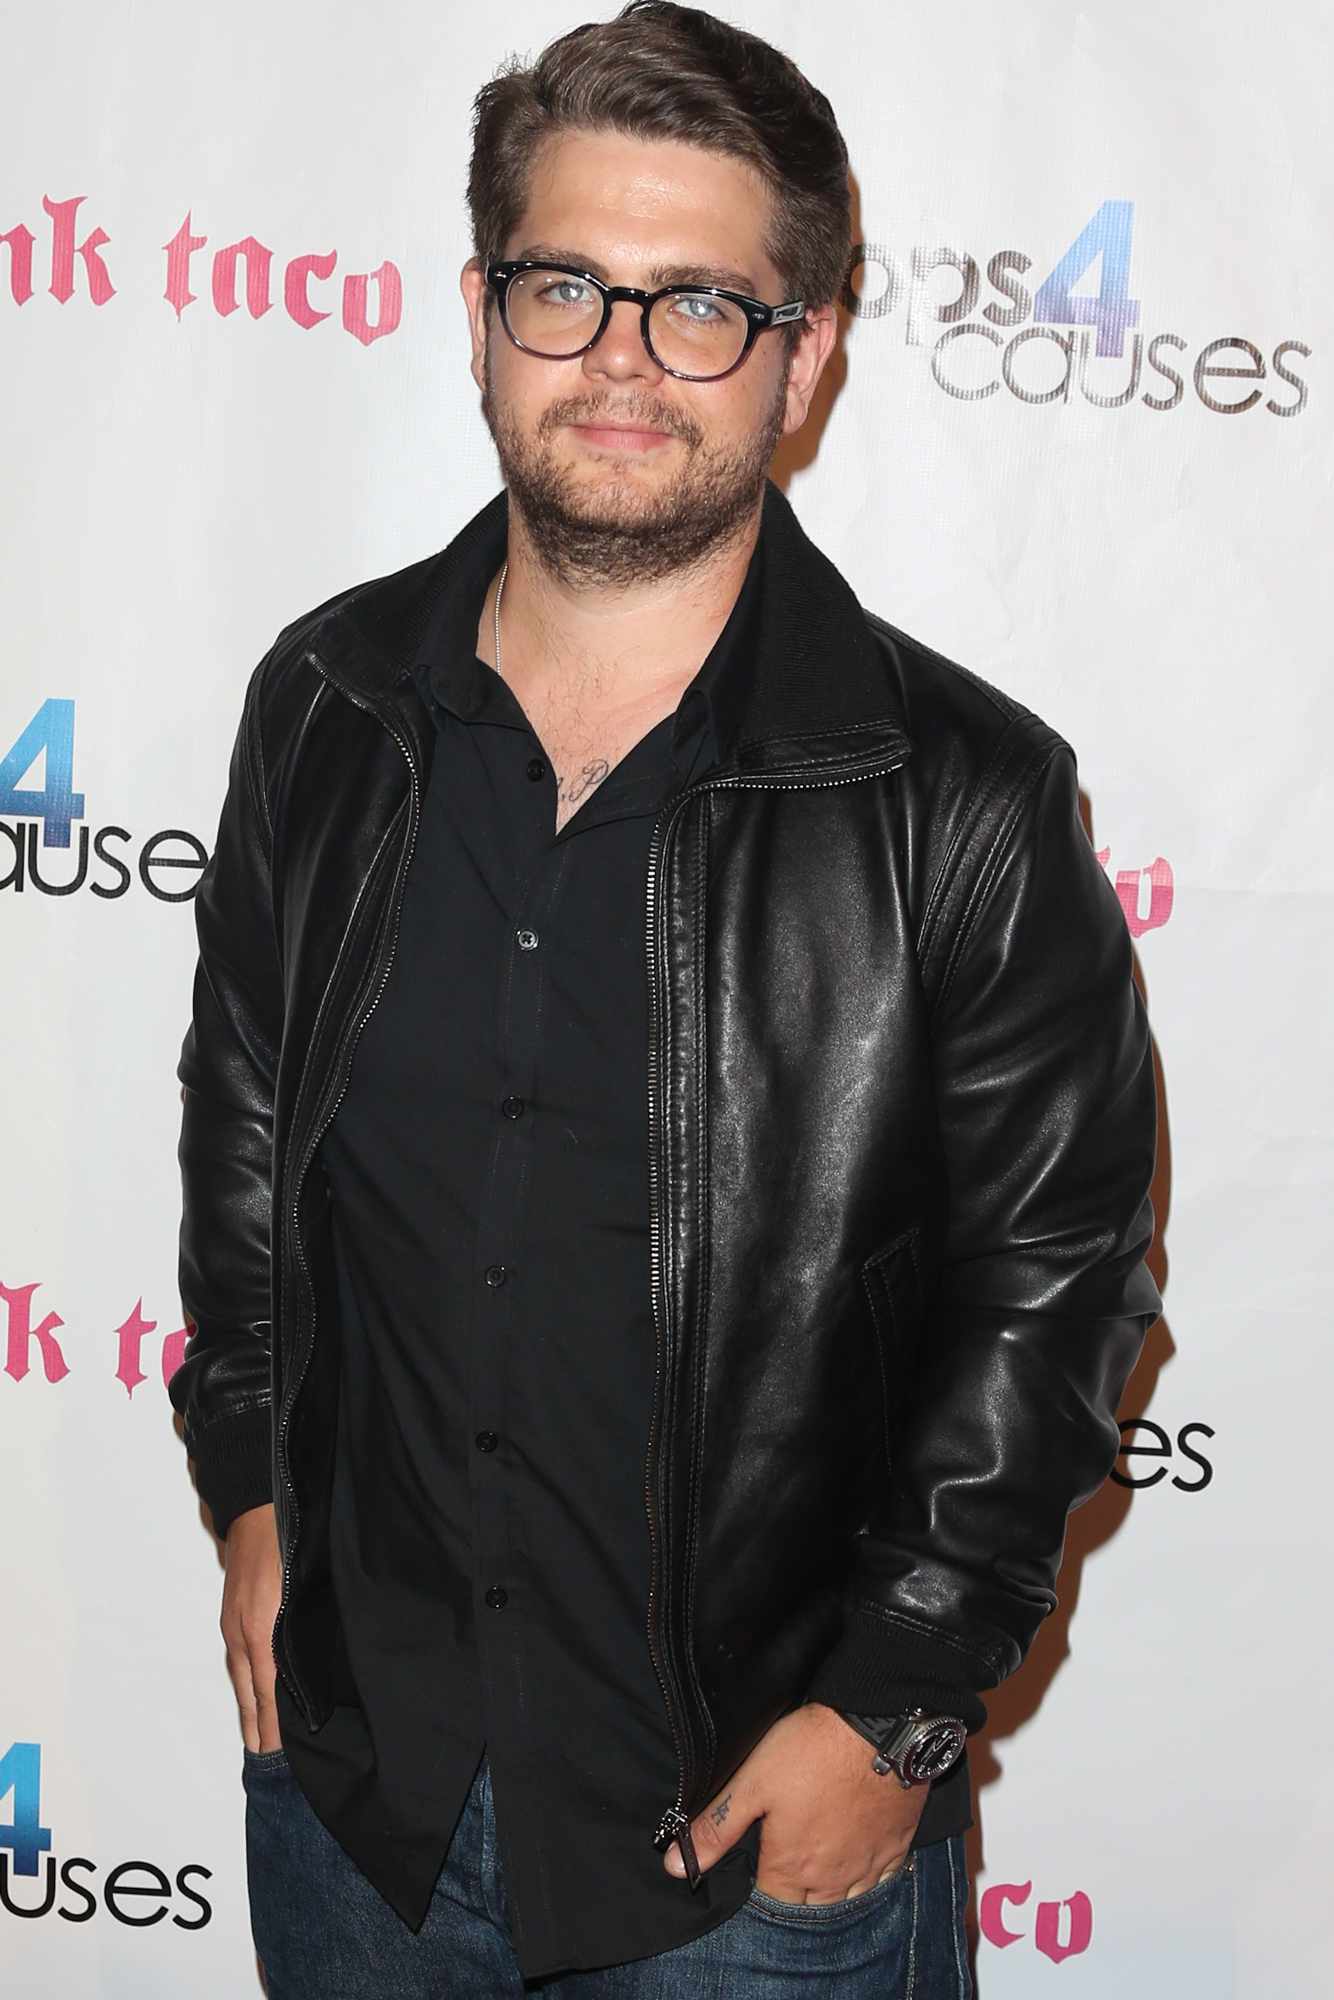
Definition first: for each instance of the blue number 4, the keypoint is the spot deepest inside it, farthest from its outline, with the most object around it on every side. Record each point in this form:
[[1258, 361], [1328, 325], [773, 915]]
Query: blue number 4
[[21, 1773], [1107, 235], [51, 730]]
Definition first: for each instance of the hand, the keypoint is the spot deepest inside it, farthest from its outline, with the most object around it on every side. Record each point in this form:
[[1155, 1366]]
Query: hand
[[833, 1827], [251, 1593]]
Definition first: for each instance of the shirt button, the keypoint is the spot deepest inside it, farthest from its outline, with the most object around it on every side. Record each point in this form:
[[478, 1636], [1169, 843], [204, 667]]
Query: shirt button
[[527, 940], [535, 768], [486, 1440], [495, 1274], [497, 1596], [513, 1107]]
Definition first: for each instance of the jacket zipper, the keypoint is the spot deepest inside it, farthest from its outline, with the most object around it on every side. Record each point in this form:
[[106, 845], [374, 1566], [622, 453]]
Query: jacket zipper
[[674, 1824], [322, 1126]]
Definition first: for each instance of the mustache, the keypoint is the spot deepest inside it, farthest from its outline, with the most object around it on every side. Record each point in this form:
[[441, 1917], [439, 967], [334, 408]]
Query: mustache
[[647, 416]]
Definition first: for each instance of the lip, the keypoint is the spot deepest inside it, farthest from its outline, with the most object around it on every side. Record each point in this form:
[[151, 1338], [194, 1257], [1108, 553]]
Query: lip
[[621, 437]]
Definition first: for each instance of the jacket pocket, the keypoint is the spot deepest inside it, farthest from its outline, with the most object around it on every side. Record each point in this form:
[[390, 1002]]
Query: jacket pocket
[[892, 1282]]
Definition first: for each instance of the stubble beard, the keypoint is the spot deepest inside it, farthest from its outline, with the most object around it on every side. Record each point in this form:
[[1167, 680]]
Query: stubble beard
[[620, 534]]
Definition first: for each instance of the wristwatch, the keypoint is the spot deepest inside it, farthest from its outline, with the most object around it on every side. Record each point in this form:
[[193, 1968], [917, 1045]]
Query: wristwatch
[[917, 1746]]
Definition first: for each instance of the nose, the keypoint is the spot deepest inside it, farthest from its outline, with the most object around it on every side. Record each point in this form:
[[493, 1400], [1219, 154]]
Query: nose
[[620, 355]]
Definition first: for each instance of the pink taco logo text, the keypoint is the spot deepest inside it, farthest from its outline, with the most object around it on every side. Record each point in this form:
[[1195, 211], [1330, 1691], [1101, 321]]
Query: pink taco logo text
[[245, 274]]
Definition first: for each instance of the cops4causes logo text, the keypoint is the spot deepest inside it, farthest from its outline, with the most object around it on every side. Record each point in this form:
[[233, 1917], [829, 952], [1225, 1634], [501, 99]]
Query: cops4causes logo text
[[1057, 341], [106, 860], [1178, 1458], [37, 1881]]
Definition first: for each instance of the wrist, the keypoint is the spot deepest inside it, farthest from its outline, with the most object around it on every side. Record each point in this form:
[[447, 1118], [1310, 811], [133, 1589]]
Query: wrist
[[917, 1744]]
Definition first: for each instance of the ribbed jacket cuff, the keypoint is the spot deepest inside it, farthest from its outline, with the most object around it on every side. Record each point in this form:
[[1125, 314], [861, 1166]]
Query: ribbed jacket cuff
[[234, 1465], [879, 1668]]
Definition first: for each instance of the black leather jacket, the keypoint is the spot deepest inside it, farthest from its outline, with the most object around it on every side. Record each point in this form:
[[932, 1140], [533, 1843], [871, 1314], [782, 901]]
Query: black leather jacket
[[901, 1126]]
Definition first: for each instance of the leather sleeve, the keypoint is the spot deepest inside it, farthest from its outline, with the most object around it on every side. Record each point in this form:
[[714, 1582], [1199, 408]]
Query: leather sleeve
[[1046, 1105], [228, 1066]]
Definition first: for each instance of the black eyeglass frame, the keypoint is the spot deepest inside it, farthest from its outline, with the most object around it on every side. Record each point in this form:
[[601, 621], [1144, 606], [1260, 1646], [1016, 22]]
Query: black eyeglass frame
[[759, 316]]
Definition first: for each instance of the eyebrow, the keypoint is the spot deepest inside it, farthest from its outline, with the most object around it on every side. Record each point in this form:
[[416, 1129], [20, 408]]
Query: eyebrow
[[661, 274]]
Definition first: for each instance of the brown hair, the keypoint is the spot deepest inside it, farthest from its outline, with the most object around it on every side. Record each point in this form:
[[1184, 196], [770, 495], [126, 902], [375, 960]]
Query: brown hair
[[659, 71]]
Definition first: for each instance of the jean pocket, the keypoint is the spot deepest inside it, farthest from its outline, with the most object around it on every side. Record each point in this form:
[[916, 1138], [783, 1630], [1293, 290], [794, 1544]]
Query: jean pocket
[[260, 1761], [847, 1910]]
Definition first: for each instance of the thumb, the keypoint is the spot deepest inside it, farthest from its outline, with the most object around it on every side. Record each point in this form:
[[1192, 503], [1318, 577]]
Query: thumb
[[713, 1831]]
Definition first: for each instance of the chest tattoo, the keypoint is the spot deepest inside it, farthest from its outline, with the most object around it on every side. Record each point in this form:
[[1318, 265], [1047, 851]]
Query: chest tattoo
[[581, 781]]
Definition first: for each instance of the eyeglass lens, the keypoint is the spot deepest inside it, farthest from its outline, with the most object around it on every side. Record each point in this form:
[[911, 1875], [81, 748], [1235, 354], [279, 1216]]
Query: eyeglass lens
[[555, 313]]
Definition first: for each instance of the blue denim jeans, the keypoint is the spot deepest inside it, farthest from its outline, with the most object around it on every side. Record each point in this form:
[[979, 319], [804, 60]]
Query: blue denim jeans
[[323, 1933]]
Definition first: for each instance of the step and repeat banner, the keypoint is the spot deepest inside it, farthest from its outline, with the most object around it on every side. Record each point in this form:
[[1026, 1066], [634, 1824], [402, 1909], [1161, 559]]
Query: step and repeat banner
[[1078, 437]]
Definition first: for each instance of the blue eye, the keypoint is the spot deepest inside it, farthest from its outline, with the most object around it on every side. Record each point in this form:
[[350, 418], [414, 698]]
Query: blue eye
[[566, 292]]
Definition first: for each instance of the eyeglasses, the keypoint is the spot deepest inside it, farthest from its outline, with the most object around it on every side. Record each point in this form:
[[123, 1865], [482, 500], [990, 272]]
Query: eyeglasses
[[697, 332]]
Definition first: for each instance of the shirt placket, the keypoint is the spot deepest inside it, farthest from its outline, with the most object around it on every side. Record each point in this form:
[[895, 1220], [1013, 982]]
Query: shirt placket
[[502, 1277]]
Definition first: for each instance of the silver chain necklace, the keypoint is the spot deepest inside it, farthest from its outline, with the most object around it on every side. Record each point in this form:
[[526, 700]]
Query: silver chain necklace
[[500, 592]]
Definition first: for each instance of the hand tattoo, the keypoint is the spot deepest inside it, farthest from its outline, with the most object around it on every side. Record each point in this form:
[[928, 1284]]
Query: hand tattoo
[[720, 1811]]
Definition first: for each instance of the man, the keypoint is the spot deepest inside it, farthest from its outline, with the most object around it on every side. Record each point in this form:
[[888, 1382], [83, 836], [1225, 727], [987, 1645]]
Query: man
[[667, 1129]]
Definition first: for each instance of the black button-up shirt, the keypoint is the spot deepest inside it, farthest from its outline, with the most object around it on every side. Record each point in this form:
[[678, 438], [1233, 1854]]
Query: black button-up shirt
[[488, 1172]]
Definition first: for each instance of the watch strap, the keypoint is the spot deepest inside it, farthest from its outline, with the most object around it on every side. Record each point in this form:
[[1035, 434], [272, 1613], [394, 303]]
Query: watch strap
[[891, 1737], [875, 1728]]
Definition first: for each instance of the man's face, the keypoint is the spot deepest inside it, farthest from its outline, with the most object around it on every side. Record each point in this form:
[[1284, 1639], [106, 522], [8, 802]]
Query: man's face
[[627, 505]]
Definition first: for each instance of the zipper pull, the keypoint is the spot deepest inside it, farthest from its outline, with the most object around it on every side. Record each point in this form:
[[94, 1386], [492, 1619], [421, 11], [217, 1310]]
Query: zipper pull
[[675, 1826]]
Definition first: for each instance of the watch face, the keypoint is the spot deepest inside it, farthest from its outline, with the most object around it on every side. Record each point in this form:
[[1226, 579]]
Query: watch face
[[933, 1749]]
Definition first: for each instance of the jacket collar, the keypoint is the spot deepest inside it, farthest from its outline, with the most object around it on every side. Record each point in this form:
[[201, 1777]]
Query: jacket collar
[[812, 685]]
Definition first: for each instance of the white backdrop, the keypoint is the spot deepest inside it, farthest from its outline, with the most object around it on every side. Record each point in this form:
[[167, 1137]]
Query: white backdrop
[[1154, 1788]]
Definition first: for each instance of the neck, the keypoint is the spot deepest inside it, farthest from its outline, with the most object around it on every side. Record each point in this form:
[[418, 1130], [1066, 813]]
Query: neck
[[621, 641]]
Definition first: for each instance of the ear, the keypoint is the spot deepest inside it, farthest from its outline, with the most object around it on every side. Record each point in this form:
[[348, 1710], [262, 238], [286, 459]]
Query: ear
[[812, 351], [476, 292]]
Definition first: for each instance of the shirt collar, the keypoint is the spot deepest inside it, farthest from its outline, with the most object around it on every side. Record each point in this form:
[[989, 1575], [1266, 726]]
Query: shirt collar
[[450, 676]]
